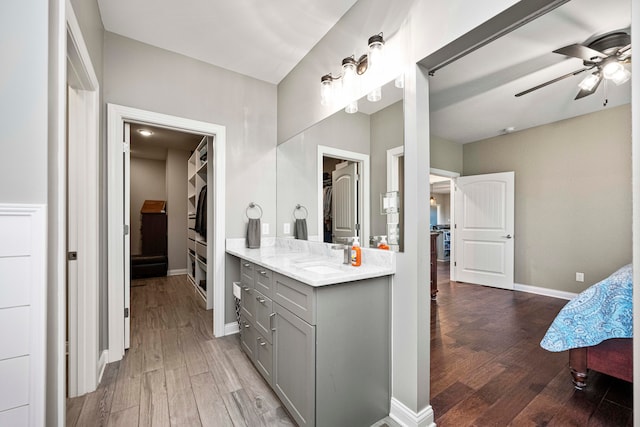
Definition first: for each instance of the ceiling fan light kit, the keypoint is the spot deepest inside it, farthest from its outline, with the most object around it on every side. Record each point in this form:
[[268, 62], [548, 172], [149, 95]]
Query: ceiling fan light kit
[[607, 55], [345, 87]]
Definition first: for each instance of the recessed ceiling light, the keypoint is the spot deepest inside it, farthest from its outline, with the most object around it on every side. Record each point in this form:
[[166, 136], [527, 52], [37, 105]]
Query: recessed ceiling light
[[145, 132], [507, 130]]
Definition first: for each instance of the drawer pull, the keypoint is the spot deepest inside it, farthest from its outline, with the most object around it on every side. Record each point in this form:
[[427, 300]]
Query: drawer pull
[[271, 317], [246, 325], [246, 288], [261, 300], [262, 343], [264, 273], [246, 264]]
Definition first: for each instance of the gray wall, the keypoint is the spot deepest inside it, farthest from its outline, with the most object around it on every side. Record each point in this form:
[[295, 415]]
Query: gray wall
[[297, 163], [177, 208], [148, 182], [387, 131], [142, 76], [445, 155], [573, 204]]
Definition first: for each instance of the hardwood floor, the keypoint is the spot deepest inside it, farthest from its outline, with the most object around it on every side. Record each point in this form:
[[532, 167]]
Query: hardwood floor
[[175, 372], [487, 368]]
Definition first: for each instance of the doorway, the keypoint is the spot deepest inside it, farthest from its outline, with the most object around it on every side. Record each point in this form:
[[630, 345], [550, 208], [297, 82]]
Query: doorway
[[345, 205], [441, 216], [118, 116]]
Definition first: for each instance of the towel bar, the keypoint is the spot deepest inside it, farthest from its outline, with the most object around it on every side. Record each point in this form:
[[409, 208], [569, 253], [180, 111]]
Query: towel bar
[[300, 207], [253, 205]]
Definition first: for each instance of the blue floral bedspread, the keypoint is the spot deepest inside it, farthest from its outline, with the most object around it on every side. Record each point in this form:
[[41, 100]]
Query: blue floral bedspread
[[601, 312]]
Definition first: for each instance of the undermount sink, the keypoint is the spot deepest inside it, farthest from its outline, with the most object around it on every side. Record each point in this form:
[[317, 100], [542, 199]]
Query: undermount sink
[[321, 269]]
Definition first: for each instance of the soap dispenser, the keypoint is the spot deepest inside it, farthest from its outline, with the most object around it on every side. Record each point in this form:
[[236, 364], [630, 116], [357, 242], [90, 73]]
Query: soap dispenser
[[356, 253], [383, 243]]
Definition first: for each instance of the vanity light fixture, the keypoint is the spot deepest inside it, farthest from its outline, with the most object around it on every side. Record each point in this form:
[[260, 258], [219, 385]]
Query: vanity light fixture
[[346, 85], [145, 132]]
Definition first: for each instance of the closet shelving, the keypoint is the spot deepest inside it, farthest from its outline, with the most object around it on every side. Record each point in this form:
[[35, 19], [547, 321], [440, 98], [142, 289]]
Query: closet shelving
[[197, 249]]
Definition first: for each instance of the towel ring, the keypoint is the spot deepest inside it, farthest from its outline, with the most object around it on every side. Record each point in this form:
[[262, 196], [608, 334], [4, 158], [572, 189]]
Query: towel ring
[[300, 207], [253, 206]]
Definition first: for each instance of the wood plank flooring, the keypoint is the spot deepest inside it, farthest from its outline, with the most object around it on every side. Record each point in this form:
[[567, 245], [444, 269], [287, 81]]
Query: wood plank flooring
[[487, 368], [176, 373]]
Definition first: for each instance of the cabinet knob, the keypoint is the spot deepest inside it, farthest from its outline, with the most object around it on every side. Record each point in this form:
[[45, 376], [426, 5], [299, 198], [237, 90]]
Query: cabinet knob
[[261, 300]]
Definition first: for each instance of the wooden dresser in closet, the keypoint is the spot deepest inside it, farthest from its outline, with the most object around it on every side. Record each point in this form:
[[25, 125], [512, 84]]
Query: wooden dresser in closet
[[434, 265], [152, 262]]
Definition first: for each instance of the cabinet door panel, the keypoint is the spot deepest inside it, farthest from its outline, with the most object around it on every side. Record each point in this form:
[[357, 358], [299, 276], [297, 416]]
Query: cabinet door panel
[[263, 312], [247, 338], [263, 281], [248, 303], [294, 370], [264, 358]]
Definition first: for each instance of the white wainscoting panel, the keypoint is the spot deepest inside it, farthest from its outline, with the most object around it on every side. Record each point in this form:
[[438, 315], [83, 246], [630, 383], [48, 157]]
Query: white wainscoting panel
[[23, 292]]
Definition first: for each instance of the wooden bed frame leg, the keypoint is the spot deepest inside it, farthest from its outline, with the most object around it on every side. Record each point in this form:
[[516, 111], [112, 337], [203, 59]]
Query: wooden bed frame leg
[[578, 367]]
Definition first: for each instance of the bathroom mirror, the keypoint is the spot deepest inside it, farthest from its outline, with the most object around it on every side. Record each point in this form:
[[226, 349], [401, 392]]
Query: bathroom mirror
[[344, 175]]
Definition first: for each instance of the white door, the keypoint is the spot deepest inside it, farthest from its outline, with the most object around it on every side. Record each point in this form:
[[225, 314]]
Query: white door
[[126, 220], [344, 200], [484, 229]]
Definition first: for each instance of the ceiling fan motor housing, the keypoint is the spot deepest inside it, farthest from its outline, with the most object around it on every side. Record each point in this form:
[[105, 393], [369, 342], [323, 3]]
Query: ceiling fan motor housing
[[609, 44]]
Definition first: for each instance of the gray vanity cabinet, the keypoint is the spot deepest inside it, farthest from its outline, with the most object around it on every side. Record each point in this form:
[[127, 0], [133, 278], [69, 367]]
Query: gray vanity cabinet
[[324, 350], [294, 371]]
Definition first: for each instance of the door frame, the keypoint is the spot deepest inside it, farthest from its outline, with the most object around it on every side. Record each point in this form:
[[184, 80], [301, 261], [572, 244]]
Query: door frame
[[86, 364], [452, 212], [363, 160], [117, 115]]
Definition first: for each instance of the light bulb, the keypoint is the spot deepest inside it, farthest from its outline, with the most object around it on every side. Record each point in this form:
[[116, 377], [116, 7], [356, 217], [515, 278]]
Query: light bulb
[[351, 108], [621, 77], [326, 89], [375, 95], [589, 82], [376, 47], [611, 69]]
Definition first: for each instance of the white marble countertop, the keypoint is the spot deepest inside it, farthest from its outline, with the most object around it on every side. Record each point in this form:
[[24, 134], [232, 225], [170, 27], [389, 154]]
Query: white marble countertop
[[314, 263]]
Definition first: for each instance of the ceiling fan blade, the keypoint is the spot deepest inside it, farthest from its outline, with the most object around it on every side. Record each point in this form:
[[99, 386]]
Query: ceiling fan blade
[[584, 93], [624, 53], [557, 79], [580, 51]]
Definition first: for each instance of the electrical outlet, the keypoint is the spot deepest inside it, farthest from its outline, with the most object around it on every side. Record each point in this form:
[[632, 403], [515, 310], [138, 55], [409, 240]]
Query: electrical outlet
[[579, 277], [287, 228], [265, 229]]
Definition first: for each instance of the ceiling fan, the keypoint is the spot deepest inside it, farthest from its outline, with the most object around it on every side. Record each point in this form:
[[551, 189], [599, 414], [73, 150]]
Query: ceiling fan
[[605, 56]]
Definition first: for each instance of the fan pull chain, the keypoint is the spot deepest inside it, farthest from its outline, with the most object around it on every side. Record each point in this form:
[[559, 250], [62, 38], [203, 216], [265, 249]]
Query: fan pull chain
[[606, 98]]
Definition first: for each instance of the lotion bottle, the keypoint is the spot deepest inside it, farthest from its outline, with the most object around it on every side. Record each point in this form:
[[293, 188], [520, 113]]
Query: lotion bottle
[[356, 253]]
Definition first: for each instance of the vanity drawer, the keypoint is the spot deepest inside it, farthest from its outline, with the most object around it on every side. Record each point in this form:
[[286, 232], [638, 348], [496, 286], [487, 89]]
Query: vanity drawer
[[295, 296], [247, 271], [263, 281], [247, 338], [248, 303], [263, 314], [264, 358]]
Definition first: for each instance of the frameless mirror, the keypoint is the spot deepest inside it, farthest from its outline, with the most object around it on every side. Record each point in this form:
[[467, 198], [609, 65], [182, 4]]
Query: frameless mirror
[[343, 177]]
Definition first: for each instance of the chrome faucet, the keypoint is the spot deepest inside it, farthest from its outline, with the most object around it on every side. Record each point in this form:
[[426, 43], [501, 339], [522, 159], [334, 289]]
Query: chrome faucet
[[347, 252]]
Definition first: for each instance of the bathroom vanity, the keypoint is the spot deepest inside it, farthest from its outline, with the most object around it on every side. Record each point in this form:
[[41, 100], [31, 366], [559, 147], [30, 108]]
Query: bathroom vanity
[[318, 331]]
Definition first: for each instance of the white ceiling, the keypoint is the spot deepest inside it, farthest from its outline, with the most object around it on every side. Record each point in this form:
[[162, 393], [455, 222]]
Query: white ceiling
[[155, 147], [261, 39], [473, 98]]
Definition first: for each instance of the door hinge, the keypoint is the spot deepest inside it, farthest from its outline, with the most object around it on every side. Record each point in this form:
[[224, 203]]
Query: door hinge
[[72, 256], [126, 230], [357, 227], [125, 147], [455, 225], [455, 263], [126, 312]]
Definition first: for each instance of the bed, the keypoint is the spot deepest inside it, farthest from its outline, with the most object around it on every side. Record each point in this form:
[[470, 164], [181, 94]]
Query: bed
[[596, 327]]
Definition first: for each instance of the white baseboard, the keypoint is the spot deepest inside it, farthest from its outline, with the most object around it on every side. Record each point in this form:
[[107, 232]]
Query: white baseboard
[[407, 418], [544, 291], [102, 363], [177, 272], [231, 328]]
